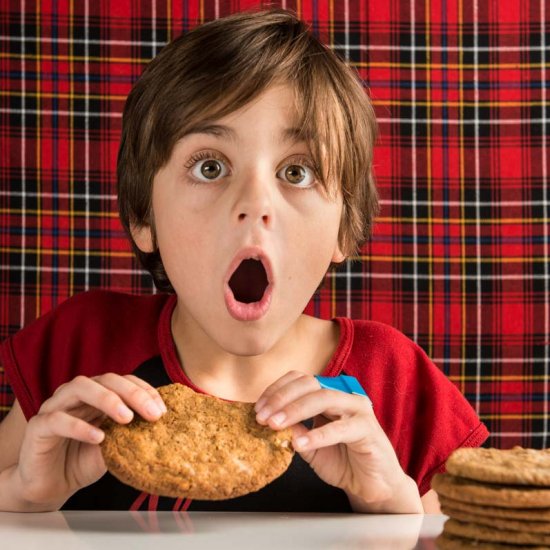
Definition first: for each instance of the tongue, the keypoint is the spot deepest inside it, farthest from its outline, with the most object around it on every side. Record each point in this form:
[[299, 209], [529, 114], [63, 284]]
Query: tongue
[[249, 281]]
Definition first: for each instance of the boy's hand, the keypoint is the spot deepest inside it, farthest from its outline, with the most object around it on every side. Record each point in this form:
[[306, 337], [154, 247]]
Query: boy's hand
[[346, 447], [60, 453]]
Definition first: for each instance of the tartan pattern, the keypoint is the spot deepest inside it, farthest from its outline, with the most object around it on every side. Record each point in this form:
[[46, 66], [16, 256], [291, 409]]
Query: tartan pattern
[[459, 259]]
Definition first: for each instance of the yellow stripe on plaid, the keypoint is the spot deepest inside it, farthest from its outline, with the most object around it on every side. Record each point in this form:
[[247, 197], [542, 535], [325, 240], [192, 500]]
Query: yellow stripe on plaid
[[71, 152], [462, 183], [59, 213], [50, 251], [523, 416], [358, 64], [429, 182], [492, 221], [434, 260], [498, 378], [379, 102], [49, 57], [38, 154], [62, 95]]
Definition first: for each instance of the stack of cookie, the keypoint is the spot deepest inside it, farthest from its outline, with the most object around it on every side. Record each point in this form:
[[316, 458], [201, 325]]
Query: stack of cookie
[[495, 499]]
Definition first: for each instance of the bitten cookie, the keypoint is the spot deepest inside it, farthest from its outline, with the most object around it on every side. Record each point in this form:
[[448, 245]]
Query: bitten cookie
[[202, 448], [517, 466]]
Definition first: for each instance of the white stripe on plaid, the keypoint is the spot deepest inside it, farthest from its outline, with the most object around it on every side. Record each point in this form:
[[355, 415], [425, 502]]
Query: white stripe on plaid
[[545, 226], [414, 173]]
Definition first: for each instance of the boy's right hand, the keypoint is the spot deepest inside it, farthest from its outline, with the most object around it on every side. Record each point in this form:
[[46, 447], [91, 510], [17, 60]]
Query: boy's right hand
[[60, 451]]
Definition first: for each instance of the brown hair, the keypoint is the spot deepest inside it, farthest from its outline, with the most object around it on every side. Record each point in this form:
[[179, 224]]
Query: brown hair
[[219, 67]]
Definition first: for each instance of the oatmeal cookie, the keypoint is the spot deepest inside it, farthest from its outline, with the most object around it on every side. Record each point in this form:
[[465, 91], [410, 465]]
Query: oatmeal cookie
[[517, 466], [505, 496], [202, 448]]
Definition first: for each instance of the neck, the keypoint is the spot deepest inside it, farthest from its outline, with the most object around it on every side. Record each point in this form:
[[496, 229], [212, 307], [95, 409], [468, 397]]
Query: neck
[[307, 346]]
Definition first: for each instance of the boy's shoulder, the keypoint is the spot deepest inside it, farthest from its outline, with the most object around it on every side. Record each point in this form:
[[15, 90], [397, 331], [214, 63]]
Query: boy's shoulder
[[97, 311], [97, 317], [90, 333], [108, 302], [382, 339]]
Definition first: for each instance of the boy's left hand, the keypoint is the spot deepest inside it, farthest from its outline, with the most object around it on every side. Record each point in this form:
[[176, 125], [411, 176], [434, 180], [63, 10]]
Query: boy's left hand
[[346, 447]]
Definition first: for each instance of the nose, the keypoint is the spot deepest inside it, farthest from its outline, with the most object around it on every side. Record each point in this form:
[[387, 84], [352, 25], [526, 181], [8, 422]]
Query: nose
[[254, 203]]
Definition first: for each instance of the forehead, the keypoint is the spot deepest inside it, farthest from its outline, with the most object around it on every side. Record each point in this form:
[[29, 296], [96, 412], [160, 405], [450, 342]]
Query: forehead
[[279, 100], [291, 134]]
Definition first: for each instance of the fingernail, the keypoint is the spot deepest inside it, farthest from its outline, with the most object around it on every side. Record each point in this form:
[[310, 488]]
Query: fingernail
[[278, 419], [263, 414], [301, 442], [153, 409], [162, 406], [125, 413], [259, 404], [96, 435]]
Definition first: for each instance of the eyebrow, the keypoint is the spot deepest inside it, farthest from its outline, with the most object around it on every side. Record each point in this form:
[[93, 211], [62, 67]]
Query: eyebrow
[[221, 131]]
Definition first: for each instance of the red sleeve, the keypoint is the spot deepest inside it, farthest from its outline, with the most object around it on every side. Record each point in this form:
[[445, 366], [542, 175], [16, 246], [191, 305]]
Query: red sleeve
[[88, 334], [422, 412]]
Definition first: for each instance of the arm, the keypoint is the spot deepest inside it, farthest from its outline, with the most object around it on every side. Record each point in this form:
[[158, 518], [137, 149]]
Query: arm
[[12, 429], [47, 459]]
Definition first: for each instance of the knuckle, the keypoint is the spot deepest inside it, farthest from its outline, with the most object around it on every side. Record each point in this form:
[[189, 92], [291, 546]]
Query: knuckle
[[112, 400], [277, 400], [292, 409], [327, 394], [56, 416], [59, 388], [137, 394], [296, 372], [80, 380], [109, 378]]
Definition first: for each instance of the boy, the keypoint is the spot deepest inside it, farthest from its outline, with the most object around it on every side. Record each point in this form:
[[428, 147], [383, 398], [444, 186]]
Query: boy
[[244, 173]]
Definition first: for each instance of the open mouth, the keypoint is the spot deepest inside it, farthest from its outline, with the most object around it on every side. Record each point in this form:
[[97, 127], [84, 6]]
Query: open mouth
[[249, 281], [249, 285]]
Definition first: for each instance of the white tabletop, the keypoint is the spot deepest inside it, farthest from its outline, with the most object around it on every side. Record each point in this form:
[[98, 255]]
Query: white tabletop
[[205, 530]]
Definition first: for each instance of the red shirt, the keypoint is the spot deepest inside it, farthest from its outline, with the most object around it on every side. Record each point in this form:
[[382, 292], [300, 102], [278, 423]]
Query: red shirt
[[423, 414]]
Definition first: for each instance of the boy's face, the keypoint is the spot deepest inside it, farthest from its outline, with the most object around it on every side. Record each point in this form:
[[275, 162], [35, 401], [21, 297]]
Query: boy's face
[[247, 196]]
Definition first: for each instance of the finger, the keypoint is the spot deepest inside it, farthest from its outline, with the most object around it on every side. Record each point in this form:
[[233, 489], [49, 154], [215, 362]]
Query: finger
[[285, 394], [59, 424], [272, 388], [153, 392], [330, 403], [136, 394], [347, 430], [80, 394], [110, 393]]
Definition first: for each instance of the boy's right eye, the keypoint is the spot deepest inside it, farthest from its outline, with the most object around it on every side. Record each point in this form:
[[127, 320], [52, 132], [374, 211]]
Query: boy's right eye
[[210, 169]]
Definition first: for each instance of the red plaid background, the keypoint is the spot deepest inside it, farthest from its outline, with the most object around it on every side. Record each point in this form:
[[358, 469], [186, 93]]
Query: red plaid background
[[459, 260]]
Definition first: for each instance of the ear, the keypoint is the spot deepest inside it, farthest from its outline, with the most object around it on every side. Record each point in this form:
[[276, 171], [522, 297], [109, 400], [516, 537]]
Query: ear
[[143, 237], [337, 256]]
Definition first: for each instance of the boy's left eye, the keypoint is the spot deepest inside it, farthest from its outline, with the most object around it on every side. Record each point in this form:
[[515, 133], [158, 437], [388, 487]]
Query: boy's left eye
[[299, 174]]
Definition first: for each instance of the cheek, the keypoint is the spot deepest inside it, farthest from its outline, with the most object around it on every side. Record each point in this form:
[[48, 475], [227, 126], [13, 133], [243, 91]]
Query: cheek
[[315, 235], [180, 234], [325, 223]]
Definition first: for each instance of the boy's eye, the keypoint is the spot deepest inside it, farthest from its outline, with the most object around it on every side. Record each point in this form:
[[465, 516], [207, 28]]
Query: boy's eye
[[208, 170], [299, 175]]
